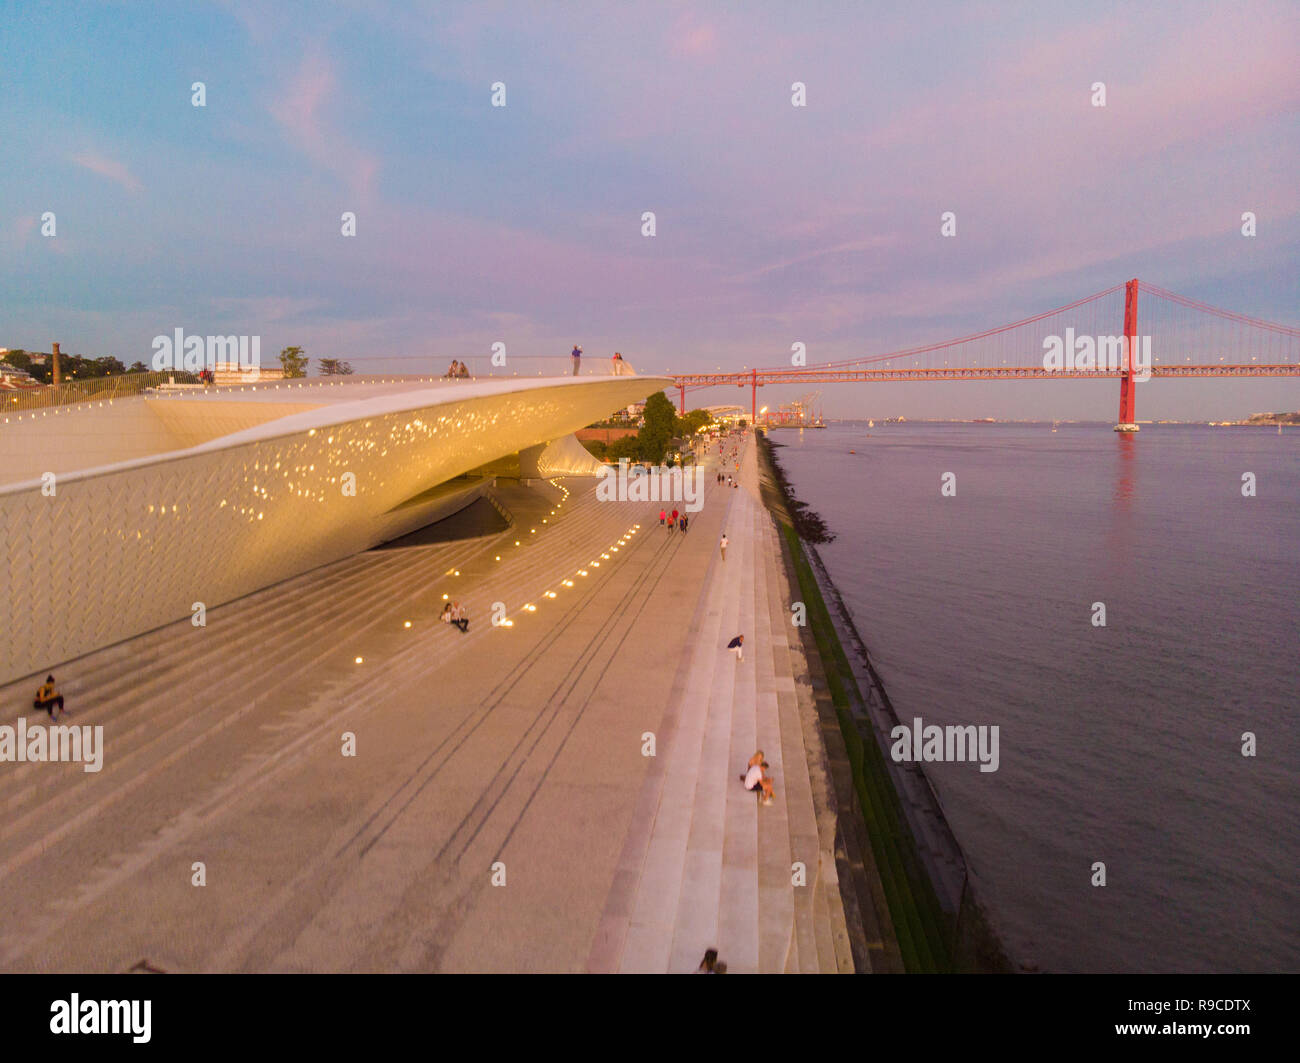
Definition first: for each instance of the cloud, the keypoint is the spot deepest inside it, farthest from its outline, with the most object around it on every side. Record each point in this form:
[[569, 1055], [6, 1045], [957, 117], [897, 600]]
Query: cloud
[[110, 168], [301, 113], [691, 38]]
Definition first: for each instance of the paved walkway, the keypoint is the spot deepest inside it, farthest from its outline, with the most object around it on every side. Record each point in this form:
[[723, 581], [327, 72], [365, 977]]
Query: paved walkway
[[499, 814]]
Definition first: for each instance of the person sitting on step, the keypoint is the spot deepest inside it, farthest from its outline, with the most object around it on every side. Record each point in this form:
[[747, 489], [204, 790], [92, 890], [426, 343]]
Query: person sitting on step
[[756, 779], [47, 697]]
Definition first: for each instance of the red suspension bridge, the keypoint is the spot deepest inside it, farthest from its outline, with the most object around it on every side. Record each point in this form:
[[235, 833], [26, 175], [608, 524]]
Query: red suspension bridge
[[1179, 337]]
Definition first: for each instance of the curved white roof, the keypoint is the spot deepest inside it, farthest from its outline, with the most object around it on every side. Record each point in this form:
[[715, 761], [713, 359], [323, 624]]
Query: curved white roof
[[118, 517]]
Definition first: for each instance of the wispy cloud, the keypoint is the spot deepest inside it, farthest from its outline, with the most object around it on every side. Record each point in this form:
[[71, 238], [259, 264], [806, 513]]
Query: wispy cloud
[[110, 168], [301, 112], [691, 37]]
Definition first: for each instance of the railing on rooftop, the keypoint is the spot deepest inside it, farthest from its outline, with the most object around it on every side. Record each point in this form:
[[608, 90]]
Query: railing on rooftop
[[91, 389], [125, 385]]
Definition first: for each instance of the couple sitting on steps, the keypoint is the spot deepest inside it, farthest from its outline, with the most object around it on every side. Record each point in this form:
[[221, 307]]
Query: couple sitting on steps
[[757, 780]]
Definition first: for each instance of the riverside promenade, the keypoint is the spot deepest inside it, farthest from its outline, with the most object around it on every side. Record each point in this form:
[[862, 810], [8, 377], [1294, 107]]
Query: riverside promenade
[[499, 812]]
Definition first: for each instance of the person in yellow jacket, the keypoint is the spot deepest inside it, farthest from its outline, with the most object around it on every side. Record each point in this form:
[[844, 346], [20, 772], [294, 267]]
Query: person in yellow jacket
[[47, 697]]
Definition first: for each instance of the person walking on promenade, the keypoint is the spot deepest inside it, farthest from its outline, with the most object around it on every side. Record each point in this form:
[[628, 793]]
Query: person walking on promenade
[[685, 522], [47, 697], [674, 516], [577, 358], [737, 646], [663, 516], [458, 617], [723, 545]]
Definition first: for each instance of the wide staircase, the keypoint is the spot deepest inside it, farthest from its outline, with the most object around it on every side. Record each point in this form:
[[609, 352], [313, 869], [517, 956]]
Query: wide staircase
[[199, 719], [191, 713], [706, 865]]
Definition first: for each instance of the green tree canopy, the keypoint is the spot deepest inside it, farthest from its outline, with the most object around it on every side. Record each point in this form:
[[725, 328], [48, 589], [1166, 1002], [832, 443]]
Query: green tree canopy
[[627, 447], [294, 362], [334, 367], [658, 427], [687, 426]]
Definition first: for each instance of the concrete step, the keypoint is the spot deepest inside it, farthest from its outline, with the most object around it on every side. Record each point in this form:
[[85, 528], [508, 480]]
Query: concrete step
[[134, 708], [171, 731], [776, 891], [696, 927], [839, 926], [804, 841], [614, 947], [356, 606], [738, 915], [225, 756], [822, 926], [99, 674], [674, 911]]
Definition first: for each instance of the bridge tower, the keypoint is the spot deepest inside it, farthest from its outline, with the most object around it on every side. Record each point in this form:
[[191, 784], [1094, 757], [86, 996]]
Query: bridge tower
[[1127, 385]]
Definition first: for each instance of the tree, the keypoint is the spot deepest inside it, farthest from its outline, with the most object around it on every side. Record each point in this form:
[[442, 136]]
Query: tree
[[294, 362], [138, 367], [625, 447], [596, 447], [658, 427], [333, 367], [690, 424]]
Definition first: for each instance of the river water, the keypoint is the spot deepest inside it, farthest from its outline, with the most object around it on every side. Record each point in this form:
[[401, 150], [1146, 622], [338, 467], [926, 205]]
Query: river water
[[1121, 744]]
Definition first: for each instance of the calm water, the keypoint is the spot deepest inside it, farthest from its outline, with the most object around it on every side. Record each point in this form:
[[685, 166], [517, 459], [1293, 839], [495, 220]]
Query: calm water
[[1119, 744]]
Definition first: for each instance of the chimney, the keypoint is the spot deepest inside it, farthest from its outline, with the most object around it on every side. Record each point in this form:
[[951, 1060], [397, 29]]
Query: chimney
[[56, 363]]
